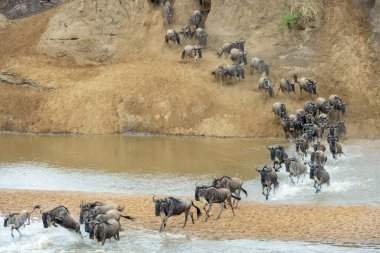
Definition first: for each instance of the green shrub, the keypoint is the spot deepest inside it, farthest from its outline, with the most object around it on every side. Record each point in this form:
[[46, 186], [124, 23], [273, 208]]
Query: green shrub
[[289, 19]]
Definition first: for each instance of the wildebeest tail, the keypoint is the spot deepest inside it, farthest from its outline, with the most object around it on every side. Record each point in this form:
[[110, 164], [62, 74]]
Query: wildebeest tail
[[128, 217], [183, 54], [245, 192], [120, 209], [198, 210], [238, 198], [35, 207]]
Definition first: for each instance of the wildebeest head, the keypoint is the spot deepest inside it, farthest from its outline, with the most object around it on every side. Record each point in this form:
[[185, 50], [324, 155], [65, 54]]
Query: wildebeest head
[[263, 173], [295, 77], [197, 191], [198, 51], [272, 152], [46, 219], [158, 205], [240, 44]]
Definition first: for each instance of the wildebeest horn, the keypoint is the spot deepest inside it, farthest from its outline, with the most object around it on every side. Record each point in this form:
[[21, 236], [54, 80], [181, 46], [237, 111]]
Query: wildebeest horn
[[154, 198], [41, 212]]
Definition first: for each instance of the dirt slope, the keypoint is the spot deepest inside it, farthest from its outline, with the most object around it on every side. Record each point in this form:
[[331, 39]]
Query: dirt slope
[[112, 71]]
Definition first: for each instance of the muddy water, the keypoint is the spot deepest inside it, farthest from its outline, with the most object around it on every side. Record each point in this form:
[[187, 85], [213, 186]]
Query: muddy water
[[170, 165]]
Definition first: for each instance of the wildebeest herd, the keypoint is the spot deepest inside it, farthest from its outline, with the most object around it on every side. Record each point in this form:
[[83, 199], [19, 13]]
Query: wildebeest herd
[[306, 128]]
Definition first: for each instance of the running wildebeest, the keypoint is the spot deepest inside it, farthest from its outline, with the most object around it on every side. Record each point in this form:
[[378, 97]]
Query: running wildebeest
[[220, 73], [171, 206], [306, 84], [277, 155], [337, 104], [235, 185], [301, 116], [201, 36], [323, 105], [288, 126], [266, 86], [109, 215], [335, 146], [340, 130], [209, 195], [295, 169], [227, 47], [192, 52], [187, 32], [238, 56], [279, 109], [319, 146], [321, 176], [318, 158], [172, 35], [286, 86], [311, 108], [260, 66], [19, 219], [93, 209], [268, 178], [196, 18], [167, 12], [302, 147], [235, 70], [60, 215], [106, 230]]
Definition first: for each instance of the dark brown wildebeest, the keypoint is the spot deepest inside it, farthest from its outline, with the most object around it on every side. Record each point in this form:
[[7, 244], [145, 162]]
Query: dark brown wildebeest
[[172, 206], [302, 147], [335, 146], [277, 155], [268, 178], [337, 104], [19, 219], [286, 86], [321, 176], [295, 169], [266, 86], [306, 84], [106, 230], [60, 215], [209, 195], [340, 130], [220, 73]]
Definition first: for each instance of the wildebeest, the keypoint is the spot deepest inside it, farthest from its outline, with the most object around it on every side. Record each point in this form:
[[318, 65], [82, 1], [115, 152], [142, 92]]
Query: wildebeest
[[196, 18], [106, 230], [295, 169], [93, 209], [277, 155], [109, 215], [60, 215], [319, 146], [323, 105], [266, 86], [340, 130], [227, 47], [301, 116], [260, 66], [220, 73], [318, 158], [187, 32], [235, 70], [209, 195], [201, 36], [279, 109], [19, 219], [167, 12], [306, 84], [302, 147], [337, 104], [286, 86], [172, 206], [268, 178], [235, 185], [172, 35], [311, 108], [192, 52], [238, 56], [321, 176], [335, 146]]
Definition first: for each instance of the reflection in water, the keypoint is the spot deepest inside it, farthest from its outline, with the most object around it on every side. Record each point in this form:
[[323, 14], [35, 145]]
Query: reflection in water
[[150, 154]]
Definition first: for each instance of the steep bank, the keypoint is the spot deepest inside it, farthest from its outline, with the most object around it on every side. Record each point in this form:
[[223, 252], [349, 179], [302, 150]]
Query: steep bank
[[112, 71]]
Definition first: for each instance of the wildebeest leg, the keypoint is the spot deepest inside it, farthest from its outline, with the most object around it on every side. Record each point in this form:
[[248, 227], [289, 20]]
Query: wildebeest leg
[[186, 217], [118, 236], [28, 220], [221, 210], [208, 211], [263, 189], [164, 221], [291, 178], [192, 216], [232, 208]]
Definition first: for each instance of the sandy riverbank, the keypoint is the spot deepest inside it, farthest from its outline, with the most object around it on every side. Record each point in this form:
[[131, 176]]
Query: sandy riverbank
[[326, 224]]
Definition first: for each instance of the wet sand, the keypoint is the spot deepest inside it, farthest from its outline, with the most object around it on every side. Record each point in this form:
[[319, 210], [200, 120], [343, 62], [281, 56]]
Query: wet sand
[[342, 225]]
